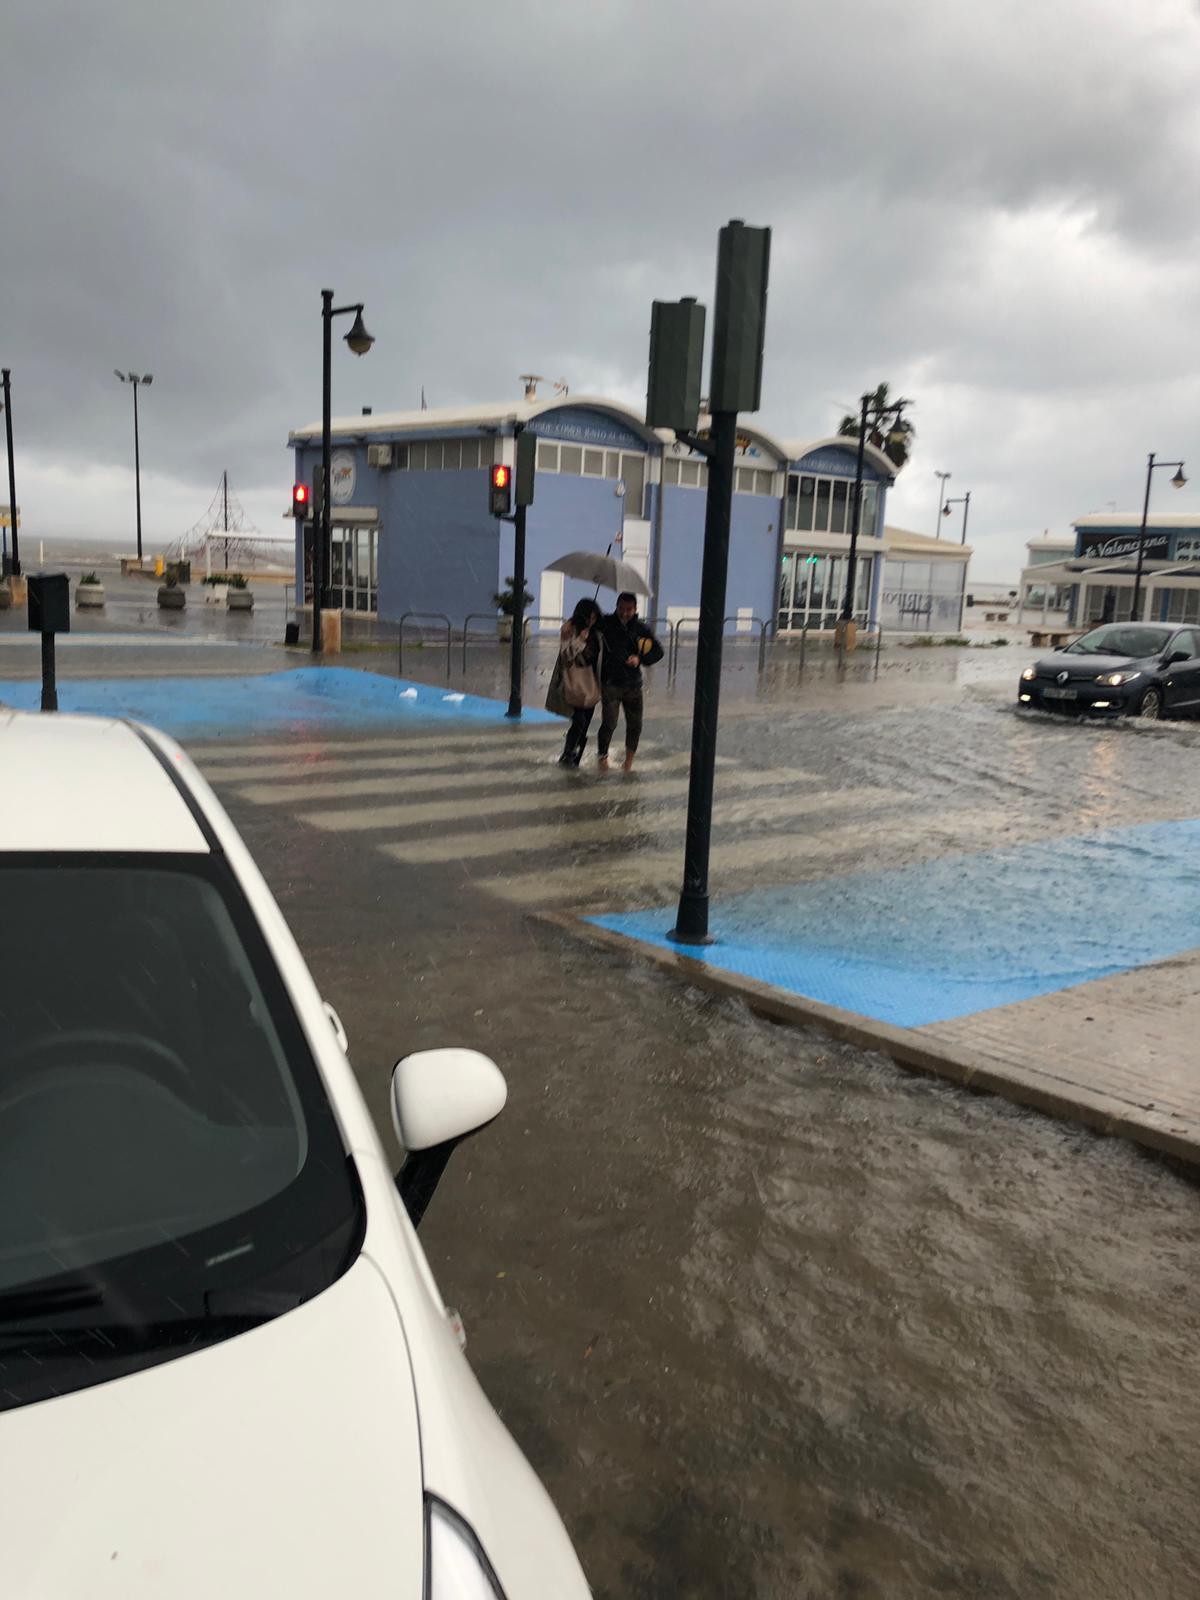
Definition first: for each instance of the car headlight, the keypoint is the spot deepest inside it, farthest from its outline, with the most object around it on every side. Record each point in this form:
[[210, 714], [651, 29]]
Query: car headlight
[[1030, 672], [1114, 680], [458, 1568]]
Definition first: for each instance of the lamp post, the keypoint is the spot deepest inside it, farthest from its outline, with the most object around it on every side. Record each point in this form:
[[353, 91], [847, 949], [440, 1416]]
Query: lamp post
[[12, 474], [136, 380], [1177, 482], [870, 415], [937, 521], [359, 341], [963, 500]]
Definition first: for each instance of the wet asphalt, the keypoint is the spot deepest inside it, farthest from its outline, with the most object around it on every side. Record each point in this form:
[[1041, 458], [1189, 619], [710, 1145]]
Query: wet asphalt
[[769, 1316]]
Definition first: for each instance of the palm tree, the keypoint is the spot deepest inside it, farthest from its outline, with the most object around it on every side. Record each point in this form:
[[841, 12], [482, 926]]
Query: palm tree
[[897, 443]]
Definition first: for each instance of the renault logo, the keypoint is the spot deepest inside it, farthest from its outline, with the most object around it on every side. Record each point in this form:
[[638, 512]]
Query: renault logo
[[1063, 676]]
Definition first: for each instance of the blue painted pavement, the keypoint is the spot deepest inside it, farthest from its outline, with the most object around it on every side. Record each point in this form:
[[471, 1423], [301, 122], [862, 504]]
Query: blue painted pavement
[[329, 697], [923, 944]]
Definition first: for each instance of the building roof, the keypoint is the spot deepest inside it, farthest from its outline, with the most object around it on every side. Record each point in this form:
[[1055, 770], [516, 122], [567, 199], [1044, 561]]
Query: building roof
[[86, 783], [1051, 541], [901, 540], [1124, 521], [498, 415], [503, 414], [797, 449]]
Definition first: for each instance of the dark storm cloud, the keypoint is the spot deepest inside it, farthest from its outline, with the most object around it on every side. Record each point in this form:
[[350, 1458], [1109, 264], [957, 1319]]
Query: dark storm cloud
[[993, 207]]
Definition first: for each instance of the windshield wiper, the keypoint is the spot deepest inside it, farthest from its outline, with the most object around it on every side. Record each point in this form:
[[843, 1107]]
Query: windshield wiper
[[112, 1341], [78, 1295]]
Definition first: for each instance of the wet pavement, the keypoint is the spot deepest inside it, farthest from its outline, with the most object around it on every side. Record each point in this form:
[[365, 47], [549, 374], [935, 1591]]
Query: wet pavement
[[770, 1317]]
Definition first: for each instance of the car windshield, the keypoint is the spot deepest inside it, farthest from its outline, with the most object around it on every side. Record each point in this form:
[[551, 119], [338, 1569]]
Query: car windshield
[[1121, 639], [171, 1171]]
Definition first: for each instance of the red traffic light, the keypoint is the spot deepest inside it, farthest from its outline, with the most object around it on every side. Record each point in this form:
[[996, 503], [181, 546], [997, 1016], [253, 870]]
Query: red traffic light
[[500, 495], [300, 498]]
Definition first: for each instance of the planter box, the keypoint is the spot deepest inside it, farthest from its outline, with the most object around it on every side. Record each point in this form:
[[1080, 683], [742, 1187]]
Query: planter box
[[5, 597], [215, 593], [89, 597], [171, 599], [504, 629], [240, 600]]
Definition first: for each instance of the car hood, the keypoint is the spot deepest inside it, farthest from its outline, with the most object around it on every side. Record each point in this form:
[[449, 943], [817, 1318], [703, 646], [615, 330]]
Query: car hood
[[284, 1461], [1089, 666]]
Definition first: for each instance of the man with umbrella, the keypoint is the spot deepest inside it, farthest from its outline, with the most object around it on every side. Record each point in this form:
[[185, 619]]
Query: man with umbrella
[[628, 647]]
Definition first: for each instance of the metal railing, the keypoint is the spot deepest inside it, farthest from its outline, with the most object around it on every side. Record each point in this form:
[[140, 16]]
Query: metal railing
[[428, 616], [675, 630]]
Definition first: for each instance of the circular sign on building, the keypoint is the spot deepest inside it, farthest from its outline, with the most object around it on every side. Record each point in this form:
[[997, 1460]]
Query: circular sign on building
[[342, 476]]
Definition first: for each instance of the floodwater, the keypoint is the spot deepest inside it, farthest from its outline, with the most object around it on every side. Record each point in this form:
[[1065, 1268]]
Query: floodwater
[[771, 1317]]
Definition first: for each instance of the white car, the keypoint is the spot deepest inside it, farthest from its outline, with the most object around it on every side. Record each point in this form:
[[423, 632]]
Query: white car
[[225, 1368]]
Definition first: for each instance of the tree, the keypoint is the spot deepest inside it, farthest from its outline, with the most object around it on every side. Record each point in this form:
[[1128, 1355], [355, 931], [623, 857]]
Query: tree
[[897, 450]]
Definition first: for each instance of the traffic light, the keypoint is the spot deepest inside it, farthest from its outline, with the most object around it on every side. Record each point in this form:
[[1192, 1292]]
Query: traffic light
[[676, 358], [501, 491], [739, 324], [526, 464], [301, 499]]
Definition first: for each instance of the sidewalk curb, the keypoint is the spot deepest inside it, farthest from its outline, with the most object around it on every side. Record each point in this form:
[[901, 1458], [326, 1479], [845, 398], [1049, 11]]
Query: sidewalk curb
[[918, 1053]]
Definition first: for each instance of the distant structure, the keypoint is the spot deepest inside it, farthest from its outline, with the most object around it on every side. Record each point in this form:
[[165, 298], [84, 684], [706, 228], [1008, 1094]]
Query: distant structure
[[225, 534]]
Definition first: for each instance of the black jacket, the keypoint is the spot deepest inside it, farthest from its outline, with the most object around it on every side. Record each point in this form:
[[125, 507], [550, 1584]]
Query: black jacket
[[621, 641]]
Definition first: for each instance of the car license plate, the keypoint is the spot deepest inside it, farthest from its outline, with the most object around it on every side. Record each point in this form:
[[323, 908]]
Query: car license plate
[[1061, 694]]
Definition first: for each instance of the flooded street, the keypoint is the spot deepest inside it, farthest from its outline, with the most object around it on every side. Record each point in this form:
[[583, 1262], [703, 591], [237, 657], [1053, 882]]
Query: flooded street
[[771, 1317]]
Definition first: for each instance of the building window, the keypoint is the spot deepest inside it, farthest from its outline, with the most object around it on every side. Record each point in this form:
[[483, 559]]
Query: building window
[[1183, 605], [1187, 549], [826, 505], [443, 455], [593, 463], [753, 480], [547, 457], [813, 587], [353, 569]]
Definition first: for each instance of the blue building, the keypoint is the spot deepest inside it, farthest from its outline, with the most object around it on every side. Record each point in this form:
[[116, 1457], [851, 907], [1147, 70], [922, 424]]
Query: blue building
[[1090, 577], [411, 530]]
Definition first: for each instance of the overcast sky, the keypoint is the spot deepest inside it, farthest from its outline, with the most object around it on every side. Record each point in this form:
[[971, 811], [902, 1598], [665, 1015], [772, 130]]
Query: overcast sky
[[993, 207]]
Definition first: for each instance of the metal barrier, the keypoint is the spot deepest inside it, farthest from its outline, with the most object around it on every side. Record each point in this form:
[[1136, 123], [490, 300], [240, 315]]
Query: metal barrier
[[431, 616], [476, 616], [675, 629]]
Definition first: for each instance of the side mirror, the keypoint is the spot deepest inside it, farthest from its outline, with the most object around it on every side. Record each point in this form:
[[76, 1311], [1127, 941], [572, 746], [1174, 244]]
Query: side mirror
[[439, 1098], [1176, 655]]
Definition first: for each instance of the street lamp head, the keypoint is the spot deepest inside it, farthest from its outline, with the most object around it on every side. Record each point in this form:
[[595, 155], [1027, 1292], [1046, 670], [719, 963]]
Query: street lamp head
[[148, 379], [946, 509], [359, 340], [117, 374], [1179, 480]]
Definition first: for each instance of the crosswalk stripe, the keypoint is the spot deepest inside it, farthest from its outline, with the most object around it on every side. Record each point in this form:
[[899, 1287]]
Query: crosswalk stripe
[[534, 757], [642, 874], [429, 781], [213, 755], [618, 790], [583, 834]]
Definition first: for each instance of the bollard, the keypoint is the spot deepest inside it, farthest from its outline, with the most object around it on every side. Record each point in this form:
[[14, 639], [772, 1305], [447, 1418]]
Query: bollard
[[49, 613]]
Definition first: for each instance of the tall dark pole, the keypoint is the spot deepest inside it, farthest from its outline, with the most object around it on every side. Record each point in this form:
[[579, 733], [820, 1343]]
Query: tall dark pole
[[137, 471], [225, 496], [12, 475], [966, 508], [321, 528], [1136, 603], [691, 923], [517, 655], [852, 559]]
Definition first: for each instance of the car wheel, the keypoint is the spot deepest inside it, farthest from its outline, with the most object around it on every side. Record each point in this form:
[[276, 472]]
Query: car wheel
[[1152, 704]]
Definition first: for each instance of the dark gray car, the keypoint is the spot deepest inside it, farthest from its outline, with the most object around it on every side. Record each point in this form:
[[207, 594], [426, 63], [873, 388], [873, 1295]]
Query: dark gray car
[[1140, 669]]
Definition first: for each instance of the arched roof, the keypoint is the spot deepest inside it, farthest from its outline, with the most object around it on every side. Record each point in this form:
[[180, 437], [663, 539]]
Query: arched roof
[[797, 450]]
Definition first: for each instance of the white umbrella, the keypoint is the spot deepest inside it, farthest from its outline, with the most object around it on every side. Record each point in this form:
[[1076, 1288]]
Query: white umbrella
[[605, 571]]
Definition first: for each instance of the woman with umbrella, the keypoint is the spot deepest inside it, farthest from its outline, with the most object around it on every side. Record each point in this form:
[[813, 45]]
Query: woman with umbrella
[[575, 683]]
